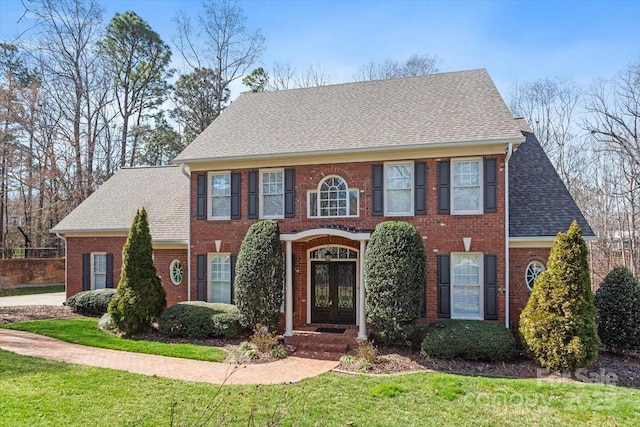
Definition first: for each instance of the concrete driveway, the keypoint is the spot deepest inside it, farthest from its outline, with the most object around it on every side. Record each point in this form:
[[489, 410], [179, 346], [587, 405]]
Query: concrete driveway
[[54, 298]]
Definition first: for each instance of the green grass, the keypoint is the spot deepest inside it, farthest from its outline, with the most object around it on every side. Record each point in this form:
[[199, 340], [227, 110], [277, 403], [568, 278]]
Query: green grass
[[85, 332], [31, 290], [37, 392]]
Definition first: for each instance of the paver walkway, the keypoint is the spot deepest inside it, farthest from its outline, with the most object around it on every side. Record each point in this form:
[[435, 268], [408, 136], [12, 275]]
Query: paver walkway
[[291, 369]]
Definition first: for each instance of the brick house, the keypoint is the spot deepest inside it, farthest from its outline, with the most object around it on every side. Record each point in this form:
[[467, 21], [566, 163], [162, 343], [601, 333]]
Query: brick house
[[329, 163]]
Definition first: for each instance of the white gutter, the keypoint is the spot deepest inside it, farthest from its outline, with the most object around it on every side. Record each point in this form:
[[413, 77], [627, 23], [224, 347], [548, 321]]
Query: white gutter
[[507, 157], [60, 236], [184, 171]]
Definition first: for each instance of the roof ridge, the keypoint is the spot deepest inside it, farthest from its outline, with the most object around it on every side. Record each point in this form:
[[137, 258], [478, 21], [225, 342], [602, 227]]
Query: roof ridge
[[360, 82]]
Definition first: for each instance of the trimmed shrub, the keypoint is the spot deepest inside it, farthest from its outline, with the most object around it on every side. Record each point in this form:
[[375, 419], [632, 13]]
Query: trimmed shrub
[[618, 304], [394, 274], [91, 303], [199, 319], [140, 296], [259, 276], [468, 340], [106, 324], [559, 323]]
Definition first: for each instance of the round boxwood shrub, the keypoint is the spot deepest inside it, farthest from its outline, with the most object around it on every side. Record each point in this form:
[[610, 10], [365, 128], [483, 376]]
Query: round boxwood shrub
[[559, 323], [199, 319], [394, 277], [140, 296], [469, 340], [618, 304], [91, 303], [259, 276]]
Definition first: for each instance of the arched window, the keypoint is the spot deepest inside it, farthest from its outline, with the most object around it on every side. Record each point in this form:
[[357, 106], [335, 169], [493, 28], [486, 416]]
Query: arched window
[[333, 198], [532, 272]]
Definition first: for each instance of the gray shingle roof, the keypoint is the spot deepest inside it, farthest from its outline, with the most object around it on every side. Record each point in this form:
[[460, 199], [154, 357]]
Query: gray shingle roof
[[438, 108], [539, 202], [162, 191]]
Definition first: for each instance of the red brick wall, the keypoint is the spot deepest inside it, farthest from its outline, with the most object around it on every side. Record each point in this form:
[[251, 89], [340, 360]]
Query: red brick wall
[[519, 259], [441, 233], [76, 246], [31, 271]]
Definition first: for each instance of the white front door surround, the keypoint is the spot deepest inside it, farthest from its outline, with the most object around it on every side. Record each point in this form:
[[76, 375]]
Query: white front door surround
[[307, 235]]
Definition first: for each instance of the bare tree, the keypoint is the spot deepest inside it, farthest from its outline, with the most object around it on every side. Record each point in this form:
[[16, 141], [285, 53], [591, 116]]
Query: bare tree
[[415, 65], [614, 123], [220, 41], [315, 75]]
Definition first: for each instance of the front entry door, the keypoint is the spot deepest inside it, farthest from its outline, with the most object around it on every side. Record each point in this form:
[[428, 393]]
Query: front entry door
[[333, 292]]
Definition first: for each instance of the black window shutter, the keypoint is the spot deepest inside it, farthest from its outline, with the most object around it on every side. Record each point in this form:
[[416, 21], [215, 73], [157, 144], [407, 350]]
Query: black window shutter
[[201, 277], [86, 272], [444, 287], [109, 278], [253, 195], [201, 196], [420, 190], [443, 187], [490, 287], [423, 309], [233, 260], [377, 180], [235, 195], [289, 193], [490, 185]]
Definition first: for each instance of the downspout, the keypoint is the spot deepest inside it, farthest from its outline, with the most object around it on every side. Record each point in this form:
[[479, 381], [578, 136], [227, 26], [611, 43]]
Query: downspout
[[186, 173], [61, 237], [507, 157]]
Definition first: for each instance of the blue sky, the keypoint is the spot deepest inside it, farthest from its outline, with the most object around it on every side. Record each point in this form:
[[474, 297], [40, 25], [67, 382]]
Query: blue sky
[[513, 40]]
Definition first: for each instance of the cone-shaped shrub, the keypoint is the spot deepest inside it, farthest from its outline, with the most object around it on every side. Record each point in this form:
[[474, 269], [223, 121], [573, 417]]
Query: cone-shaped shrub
[[140, 296], [618, 304], [394, 277], [559, 322], [260, 276]]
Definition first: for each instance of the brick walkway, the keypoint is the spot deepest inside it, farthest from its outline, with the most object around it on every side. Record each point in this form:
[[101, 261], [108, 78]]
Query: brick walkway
[[291, 369]]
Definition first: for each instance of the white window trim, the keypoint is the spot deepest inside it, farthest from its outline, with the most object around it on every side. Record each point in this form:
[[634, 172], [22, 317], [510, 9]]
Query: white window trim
[[480, 315], [480, 210], [317, 192], [93, 274], [210, 256], [171, 265], [209, 196], [261, 203], [411, 211], [526, 270]]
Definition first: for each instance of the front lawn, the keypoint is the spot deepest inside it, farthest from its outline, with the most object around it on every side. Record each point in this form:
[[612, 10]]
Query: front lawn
[[46, 393], [85, 332], [31, 290]]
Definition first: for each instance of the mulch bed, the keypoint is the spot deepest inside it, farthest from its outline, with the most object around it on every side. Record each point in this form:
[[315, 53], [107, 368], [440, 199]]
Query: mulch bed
[[609, 368]]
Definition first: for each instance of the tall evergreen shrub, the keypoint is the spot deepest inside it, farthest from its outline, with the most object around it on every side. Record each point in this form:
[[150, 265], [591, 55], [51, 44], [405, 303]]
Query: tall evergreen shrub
[[394, 277], [260, 276], [559, 322], [618, 304], [140, 296]]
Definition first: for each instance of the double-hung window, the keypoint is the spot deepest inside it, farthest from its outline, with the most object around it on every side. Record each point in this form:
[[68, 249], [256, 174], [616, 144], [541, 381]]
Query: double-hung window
[[220, 194], [220, 278], [466, 179], [272, 193], [333, 198], [398, 194], [466, 286], [98, 270]]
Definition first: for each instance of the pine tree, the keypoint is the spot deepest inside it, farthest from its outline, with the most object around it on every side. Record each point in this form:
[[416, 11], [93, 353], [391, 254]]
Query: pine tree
[[559, 322], [140, 296]]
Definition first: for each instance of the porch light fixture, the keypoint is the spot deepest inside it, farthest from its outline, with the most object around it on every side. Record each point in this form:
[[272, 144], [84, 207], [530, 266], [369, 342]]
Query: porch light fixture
[[467, 243], [218, 245]]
